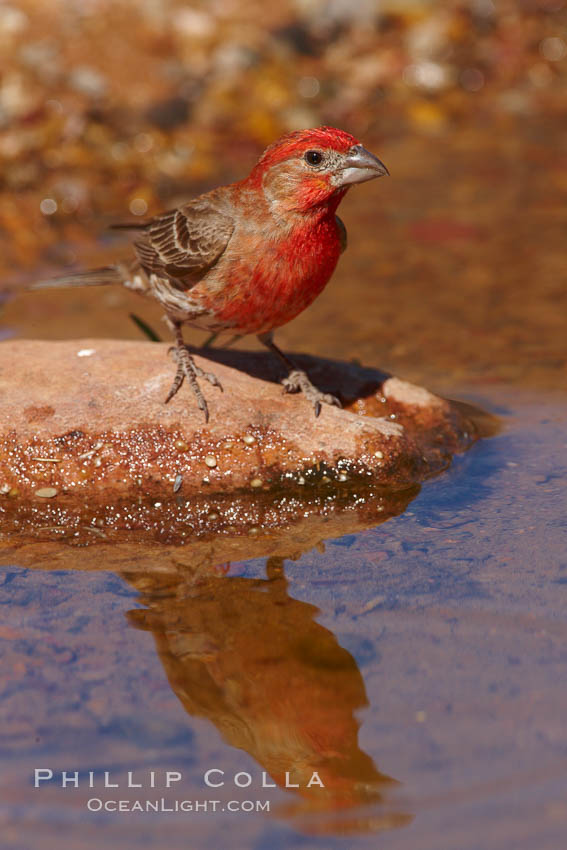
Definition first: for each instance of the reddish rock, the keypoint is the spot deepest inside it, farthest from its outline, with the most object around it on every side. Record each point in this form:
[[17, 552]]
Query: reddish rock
[[86, 418]]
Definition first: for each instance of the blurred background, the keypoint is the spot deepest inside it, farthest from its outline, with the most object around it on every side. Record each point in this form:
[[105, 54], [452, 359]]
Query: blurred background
[[112, 110]]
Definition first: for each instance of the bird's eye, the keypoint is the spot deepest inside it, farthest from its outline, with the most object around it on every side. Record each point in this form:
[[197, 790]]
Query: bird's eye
[[313, 157]]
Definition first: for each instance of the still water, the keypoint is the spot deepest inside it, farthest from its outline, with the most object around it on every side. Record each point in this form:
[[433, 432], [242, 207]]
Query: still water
[[418, 667]]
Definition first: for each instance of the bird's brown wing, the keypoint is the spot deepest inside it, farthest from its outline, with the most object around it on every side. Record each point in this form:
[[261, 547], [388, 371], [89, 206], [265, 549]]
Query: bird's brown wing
[[183, 243], [342, 233]]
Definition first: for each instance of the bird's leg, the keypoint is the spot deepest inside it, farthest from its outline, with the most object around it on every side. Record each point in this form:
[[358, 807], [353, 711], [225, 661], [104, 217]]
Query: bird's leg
[[298, 380], [186, 368]]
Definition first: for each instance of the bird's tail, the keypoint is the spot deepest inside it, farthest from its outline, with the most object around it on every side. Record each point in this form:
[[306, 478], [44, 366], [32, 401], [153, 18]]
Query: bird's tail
[[105, 276]]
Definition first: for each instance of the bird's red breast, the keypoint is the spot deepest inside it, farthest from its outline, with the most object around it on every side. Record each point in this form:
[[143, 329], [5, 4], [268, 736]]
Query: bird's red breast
[[272, 278]]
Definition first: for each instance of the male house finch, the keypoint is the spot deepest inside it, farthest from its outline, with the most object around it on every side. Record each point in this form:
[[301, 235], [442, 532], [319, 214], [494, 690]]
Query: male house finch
[[248, 257]]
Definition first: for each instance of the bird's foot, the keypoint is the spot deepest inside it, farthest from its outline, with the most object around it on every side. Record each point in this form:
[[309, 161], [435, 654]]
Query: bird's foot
[[297, 381], [187, 368]]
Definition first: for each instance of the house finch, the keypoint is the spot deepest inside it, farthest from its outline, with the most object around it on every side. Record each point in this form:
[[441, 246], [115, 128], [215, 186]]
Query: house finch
[[248, 257]]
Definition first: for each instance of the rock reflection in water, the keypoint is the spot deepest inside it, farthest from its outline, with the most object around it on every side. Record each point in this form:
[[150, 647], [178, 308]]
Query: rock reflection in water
[[241, 651]]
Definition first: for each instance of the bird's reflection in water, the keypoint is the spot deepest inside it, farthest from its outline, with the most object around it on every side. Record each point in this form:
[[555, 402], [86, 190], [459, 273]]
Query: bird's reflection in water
[[253, 660]]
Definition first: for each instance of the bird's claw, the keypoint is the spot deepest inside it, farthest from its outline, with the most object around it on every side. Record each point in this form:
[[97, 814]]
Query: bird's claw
[[298, 381], [208, 376], [186, 368]]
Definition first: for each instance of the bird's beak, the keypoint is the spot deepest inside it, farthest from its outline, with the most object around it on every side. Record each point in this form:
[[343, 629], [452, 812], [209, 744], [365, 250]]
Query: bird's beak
[[359, 166]]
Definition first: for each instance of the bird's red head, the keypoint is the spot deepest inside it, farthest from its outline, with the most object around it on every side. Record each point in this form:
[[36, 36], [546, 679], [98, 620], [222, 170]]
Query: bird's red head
[[311, 168], [300, 141]]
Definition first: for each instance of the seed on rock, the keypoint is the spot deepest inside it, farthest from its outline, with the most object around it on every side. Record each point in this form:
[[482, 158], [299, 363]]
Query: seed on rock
[[5, 488], [342, 477], [181, 445], [249, 439], [91, 452], [379, 454], [46, 492], [213, 517], [211, 461], [256, 482]]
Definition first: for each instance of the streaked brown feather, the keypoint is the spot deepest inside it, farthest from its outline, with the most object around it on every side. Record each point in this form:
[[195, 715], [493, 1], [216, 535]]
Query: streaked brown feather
[[185, 242]]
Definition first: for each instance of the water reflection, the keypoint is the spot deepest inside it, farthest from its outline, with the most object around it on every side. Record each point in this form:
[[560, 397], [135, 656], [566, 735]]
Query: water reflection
[[254, 661], [241, 651]]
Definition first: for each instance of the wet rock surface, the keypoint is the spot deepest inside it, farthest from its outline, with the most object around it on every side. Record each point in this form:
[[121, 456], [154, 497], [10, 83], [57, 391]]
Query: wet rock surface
[[87, 419]]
